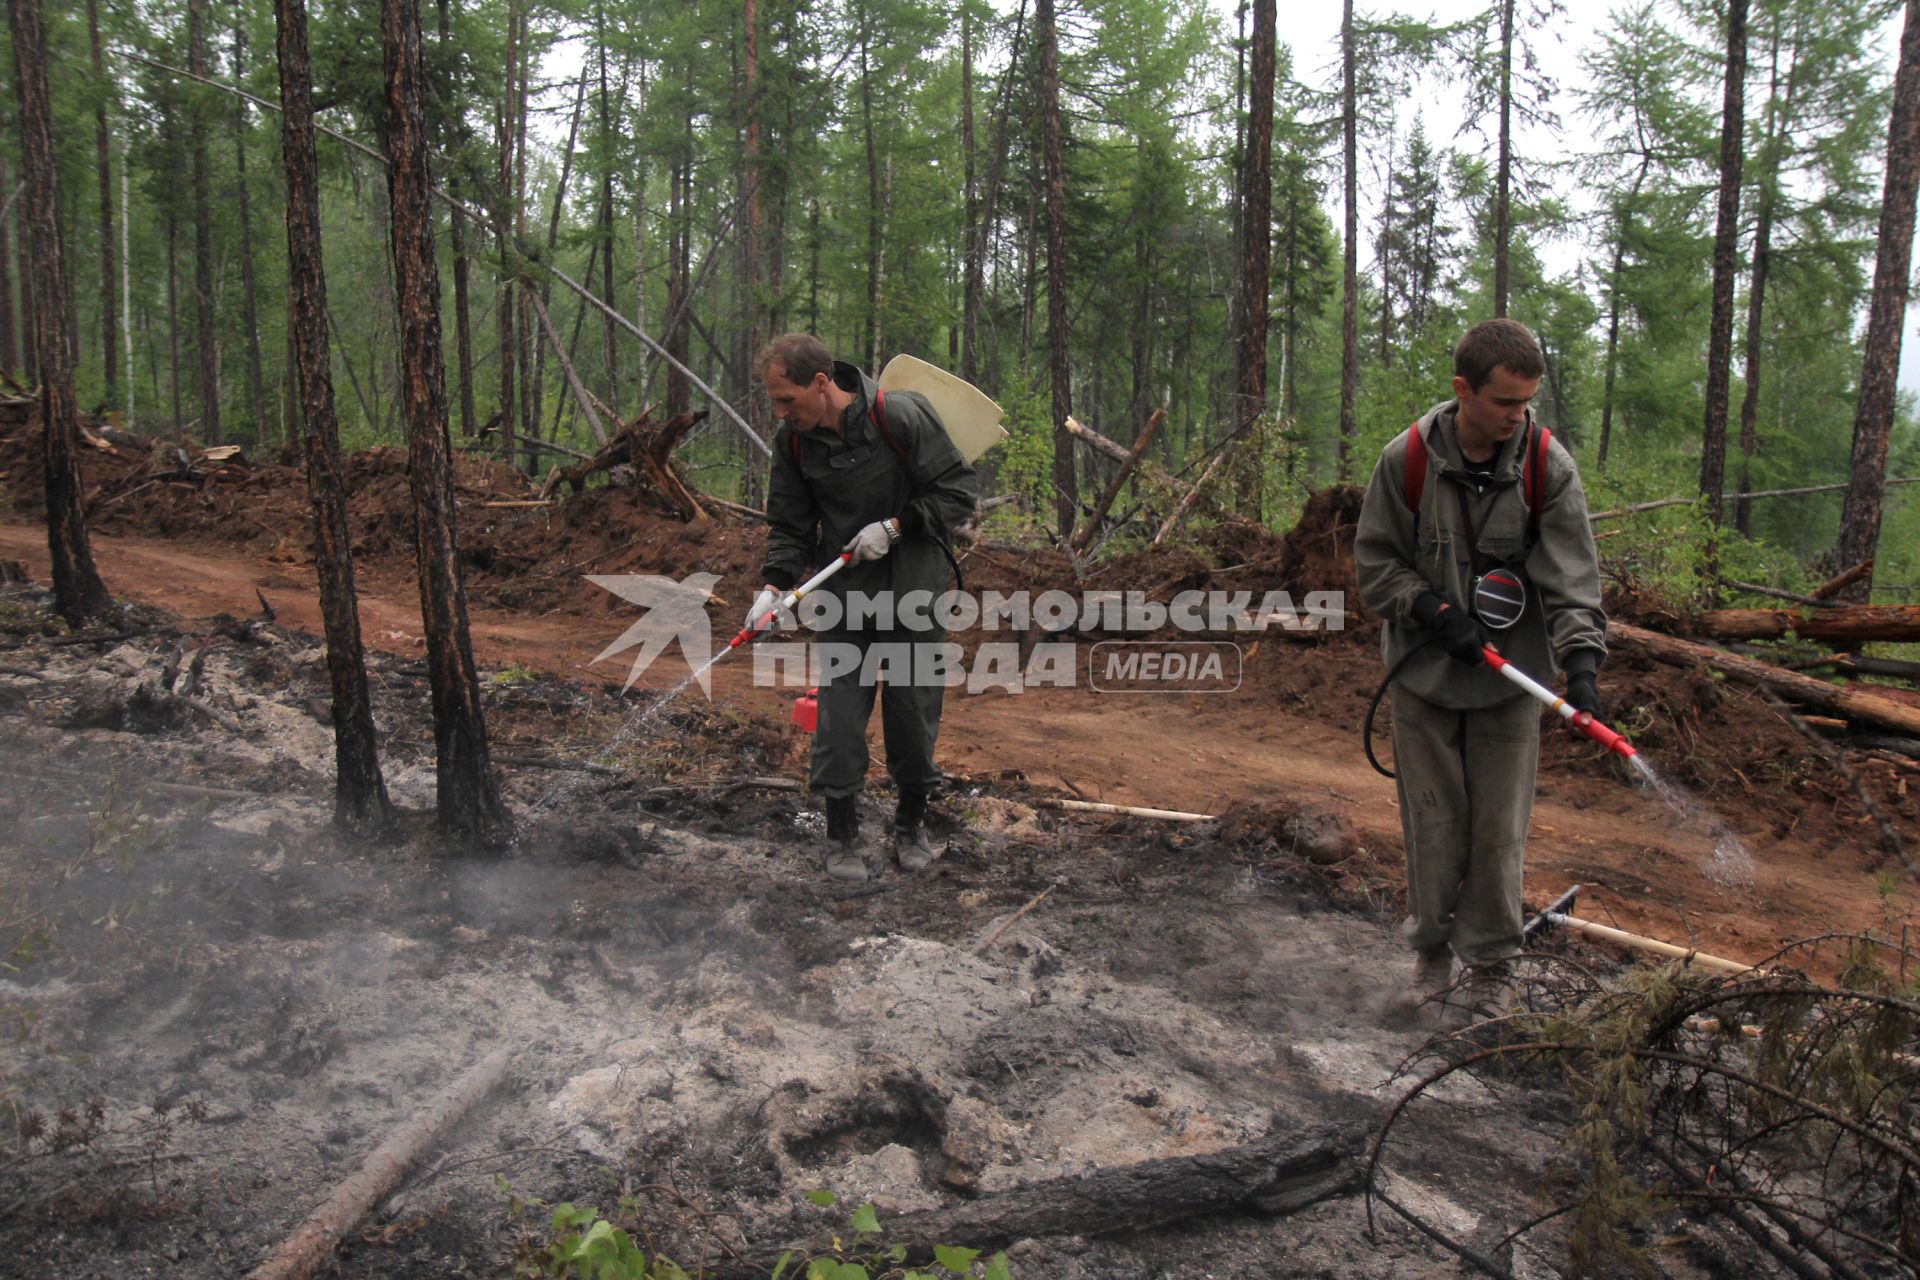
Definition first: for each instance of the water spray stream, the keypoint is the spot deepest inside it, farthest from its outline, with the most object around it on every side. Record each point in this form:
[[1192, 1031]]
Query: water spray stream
[[767, 625], [1730, 866]]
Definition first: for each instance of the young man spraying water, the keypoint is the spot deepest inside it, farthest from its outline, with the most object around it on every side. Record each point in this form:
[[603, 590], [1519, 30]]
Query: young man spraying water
[[878, 479], [1474, 531]]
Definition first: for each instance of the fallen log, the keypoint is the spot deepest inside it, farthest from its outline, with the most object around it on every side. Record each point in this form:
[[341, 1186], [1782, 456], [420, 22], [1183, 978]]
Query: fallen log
[[1153, 471], [310, 1246], [1848, 665], [1843, 625], [1275, 1175], [1852, 702]]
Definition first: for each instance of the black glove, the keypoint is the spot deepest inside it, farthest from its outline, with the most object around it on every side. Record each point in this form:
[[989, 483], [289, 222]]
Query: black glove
[[1583, 694], [1457, 632]]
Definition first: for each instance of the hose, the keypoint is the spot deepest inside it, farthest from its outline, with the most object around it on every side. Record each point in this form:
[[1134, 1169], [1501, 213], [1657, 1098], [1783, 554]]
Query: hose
[[1366, 732]]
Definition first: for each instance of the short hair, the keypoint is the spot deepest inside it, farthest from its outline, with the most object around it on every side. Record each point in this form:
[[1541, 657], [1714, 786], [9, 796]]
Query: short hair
[[1493, 344], [801, 354]]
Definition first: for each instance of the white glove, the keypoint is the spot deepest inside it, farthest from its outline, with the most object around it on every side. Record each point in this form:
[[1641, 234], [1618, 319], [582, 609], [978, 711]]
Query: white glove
[[762, 606], [874, 541]]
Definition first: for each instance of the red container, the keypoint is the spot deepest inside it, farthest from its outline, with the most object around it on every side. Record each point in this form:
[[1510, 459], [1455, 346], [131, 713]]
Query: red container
[[806, 710]]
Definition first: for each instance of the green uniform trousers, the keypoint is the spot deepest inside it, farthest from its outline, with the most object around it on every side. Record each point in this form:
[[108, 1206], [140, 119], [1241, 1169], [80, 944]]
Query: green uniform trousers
[[909, 719], [1466, 794]]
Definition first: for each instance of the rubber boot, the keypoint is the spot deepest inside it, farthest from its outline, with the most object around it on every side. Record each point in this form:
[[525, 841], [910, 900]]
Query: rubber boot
[[911, 848], [843, 860]]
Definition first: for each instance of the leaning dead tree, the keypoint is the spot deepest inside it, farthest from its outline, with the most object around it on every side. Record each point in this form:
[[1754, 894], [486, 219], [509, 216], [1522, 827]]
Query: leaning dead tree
[[78, 593], [647, 448], [360, 795], [468, 797], [1782, 1107]]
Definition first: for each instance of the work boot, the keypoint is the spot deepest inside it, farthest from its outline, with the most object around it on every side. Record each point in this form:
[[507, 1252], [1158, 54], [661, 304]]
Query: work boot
[[843, 860], [1490, 991], [911, 848], [1432, 971]]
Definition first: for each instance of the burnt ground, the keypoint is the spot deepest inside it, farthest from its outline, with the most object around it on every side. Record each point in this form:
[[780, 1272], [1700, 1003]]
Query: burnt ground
[[703, 1023]]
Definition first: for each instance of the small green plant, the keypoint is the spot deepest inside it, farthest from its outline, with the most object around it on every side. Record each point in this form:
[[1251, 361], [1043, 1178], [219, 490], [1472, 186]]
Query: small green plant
[[581, 1243], [867, 1256], [513, 676]]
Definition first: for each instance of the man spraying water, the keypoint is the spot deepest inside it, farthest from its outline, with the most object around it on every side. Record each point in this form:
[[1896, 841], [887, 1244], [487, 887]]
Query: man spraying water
[[1474, 528], [877, 480]]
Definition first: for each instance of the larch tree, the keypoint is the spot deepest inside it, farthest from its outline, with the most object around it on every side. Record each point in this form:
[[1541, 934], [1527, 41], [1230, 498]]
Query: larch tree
[[79, 595], [205, 322], [360, 803], [468, 798], [1053, 181], [1256, 256], [103, 172], [1726, 253], [1873, 415]]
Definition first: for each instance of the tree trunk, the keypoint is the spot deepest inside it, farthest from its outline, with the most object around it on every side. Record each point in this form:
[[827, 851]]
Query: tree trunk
[[103, 165], [973, 233], [1503, 197], [78, 594], [204, 320], [1837, 700], [360, 801], [1613, 310], [1066, 487], [1256, 185], [173, 315], [1349, 316], [870, 345], [1873, 416], [1844, 627], [9, 346], [468, 799], [29, 367], [1726, 248], [1275, 1175], [753, 246], [462, 275], [505, 217], [604, 152], [1778, 114], [250, 309]]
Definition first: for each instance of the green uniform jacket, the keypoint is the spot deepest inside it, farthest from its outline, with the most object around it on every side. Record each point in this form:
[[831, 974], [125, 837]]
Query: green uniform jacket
[[847, 481], [1396, 563]]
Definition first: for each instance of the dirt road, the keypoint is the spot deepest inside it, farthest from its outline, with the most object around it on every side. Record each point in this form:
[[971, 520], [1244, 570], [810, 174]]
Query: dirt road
[[1644, 870]]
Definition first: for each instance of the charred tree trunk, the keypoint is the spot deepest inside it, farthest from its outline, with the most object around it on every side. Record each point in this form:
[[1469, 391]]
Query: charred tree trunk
[[78, 594], [680, 269], [1767, 188], [1256, 260], [1873, 417], [250, 308], [468, 798], [1275, 1175], [208, 355], [103, 167], [360, 801], [29, 366], [173, 314], [1066, 487], [1726, 248], [1349, 315]]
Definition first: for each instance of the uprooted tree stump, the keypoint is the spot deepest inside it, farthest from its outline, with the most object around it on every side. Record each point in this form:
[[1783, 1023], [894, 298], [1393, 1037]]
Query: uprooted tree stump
[[1279, 1174], [647, 448]]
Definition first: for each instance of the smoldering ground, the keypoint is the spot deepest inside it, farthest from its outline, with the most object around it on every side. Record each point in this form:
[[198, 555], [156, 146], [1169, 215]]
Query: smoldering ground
[[249, 1004]]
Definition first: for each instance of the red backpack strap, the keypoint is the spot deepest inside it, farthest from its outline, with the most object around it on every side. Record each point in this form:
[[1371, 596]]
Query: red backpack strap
[[880, 421], [1533, 479], [1416, 468]]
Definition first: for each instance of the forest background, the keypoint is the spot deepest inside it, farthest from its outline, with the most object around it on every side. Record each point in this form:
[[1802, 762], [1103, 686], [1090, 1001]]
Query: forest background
[[880, 172]]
